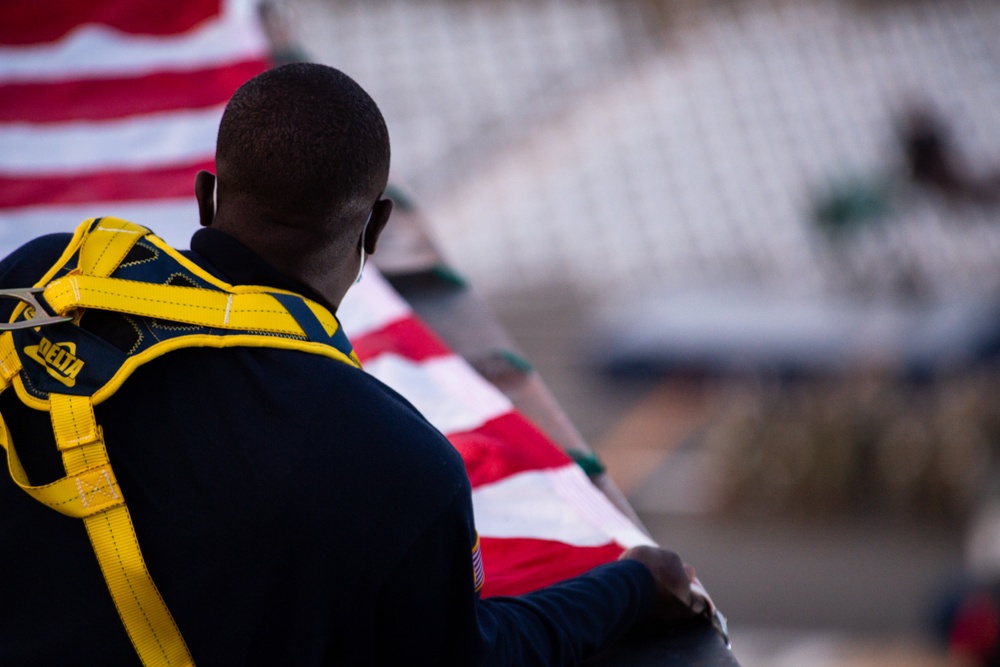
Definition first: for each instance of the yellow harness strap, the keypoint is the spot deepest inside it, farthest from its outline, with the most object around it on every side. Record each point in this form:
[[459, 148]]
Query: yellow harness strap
[[107, 244], [89, 491], [147, 620], [190, 305]]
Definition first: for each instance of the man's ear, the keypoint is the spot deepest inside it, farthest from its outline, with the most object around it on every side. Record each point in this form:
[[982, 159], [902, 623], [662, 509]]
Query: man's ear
[[380, 216], [204, 192]]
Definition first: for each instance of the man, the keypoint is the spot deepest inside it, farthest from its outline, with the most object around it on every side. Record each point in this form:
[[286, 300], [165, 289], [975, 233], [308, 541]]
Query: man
[[290, 508]]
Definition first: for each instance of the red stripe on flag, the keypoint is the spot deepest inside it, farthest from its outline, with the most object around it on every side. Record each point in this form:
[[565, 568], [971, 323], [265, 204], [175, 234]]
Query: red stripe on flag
[[104, 99], [407, 337], [515, 566], [25, 22], [110, 185], [505, 446]]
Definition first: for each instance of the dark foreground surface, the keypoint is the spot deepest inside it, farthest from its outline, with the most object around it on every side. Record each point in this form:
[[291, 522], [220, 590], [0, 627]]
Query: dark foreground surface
[[693, 645]]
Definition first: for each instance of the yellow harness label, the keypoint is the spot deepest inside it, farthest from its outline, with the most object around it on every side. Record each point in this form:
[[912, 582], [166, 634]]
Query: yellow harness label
[[59, 360]]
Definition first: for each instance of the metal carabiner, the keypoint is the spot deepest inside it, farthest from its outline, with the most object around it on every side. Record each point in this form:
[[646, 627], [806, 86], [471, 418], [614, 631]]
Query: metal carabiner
[[39, 316]]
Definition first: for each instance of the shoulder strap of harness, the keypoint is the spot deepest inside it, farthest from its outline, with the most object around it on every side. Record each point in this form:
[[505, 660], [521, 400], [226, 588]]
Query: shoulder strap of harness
[[121, 297]]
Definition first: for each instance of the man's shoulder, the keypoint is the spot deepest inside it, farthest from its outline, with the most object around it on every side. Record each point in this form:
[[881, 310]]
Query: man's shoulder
[[47, 244], [32, 259], [381, 411]]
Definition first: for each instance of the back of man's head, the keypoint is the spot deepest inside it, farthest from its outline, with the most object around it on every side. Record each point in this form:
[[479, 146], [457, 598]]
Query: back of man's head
[[303, 146]]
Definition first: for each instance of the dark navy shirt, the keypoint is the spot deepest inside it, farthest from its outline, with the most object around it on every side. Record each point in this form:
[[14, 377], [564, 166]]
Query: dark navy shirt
[[292, 510]]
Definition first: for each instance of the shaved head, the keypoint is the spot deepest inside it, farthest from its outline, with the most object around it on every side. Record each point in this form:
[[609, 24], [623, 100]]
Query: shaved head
[[302, 160], [304, 145]]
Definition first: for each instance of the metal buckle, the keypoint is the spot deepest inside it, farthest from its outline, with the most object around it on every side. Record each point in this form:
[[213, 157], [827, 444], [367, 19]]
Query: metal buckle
[[39, 317]]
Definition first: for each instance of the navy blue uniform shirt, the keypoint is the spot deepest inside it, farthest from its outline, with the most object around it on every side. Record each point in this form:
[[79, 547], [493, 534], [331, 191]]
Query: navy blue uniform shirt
[[292, 510]]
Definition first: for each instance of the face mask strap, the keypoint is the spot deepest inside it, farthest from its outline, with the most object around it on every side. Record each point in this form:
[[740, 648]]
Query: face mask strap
[[364, 230], [215, 198]]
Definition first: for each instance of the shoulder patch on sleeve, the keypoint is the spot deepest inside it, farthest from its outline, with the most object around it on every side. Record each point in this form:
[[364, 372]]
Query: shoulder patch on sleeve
[[478, 576]]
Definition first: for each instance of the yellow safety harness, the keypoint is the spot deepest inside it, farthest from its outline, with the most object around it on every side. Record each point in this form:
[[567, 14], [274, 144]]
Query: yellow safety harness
[[57, 365]]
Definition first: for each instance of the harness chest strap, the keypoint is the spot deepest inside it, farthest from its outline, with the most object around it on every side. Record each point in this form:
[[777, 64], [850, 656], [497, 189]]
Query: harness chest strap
[[90, 491], [149, 624]]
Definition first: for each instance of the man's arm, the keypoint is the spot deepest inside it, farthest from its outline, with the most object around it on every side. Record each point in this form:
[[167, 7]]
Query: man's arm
[[429, 608]]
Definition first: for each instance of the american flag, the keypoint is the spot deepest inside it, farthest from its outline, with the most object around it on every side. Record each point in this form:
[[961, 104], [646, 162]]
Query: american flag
[[109, 107], [112, 106], [540, 519]]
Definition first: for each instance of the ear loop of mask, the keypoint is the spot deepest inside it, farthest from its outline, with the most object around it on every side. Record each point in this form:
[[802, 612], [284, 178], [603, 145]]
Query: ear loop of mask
[[364, 230], [215, 198]]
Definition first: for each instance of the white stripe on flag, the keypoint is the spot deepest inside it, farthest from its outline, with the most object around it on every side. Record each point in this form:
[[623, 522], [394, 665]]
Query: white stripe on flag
[[370, 305], [543, 504], [140, 142], [572, 484], [98, 51], [173, 219], [446, 390]]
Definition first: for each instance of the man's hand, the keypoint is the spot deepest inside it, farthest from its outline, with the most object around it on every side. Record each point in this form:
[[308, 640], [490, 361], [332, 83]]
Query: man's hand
[[675, 599]]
